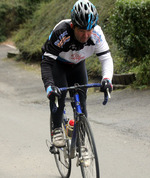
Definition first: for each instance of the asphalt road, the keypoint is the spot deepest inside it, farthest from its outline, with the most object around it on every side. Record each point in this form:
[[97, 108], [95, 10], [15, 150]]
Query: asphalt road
[[121, 128]]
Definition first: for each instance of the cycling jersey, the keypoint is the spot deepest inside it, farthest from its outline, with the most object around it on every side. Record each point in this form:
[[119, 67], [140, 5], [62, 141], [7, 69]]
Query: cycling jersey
[[62, 45]]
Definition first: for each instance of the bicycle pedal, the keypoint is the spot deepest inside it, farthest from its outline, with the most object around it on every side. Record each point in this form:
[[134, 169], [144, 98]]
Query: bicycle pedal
[[52, 150], [78, 162]]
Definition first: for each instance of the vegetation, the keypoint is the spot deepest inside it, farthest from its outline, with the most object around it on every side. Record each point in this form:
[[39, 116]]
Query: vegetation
[[12, 14], [126, 25], [134, 18], [30, 38], [130, 24]]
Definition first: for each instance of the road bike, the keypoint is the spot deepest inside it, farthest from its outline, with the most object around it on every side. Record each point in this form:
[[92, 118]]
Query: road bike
[[79, 138]]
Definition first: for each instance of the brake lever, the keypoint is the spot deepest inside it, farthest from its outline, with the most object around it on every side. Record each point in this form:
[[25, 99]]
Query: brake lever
[[56, 101], [106, 96], [109, 96], [55, 105]]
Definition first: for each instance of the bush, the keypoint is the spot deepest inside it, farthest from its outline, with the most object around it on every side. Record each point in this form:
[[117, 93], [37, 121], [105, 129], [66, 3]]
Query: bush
[[11, 16], [130, 24], [142, 72], [13, 13]]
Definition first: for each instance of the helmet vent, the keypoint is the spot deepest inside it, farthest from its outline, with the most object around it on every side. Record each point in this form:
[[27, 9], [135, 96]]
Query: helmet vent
[[82, 18], [79, 8], [86, 17], [85, 7]]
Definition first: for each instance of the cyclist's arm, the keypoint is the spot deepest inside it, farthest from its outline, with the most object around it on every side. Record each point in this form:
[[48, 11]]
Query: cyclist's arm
[[107, 66], [46, 71], [103, 52], [50, 54]]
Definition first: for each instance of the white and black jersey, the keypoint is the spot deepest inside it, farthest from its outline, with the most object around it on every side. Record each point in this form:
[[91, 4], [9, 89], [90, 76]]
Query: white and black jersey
[[62, 45]]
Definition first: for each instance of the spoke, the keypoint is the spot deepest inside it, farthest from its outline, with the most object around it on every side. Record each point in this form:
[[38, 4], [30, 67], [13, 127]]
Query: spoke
[[87, 143]]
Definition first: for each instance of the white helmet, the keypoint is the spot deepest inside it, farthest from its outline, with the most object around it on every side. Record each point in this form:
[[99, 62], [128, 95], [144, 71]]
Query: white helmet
[[84, 14]]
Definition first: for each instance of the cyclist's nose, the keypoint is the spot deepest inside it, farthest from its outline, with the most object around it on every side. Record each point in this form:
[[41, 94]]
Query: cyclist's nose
[[86, 34]]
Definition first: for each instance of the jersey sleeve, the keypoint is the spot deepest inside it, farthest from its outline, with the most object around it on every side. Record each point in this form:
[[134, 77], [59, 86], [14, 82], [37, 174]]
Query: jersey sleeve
[[101, 46], [51, 49], [103, 52]]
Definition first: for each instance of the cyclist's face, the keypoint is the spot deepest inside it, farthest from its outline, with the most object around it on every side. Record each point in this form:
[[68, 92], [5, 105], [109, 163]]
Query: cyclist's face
[[82, 35]]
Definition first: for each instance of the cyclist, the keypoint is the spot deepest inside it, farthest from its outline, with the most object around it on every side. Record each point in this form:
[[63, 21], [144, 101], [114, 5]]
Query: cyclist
[[63, 61]]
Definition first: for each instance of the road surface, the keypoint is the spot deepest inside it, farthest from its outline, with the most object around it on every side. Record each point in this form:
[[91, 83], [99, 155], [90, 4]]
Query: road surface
[[121, 128]]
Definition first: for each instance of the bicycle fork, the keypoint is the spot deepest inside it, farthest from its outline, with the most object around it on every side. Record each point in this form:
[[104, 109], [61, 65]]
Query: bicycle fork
[[77, 110]]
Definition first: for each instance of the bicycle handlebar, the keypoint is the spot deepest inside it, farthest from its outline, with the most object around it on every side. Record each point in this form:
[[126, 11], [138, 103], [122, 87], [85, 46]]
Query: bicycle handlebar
[[77, 86]]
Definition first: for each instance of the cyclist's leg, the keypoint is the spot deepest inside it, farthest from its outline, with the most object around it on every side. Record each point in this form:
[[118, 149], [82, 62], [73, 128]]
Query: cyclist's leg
[[63, 162], [78, 74], [60, 80], [59, 77]]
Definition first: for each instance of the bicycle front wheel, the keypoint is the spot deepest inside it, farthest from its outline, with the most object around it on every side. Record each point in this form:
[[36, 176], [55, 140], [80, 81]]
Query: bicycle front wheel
[[61, 155], [88, 159]]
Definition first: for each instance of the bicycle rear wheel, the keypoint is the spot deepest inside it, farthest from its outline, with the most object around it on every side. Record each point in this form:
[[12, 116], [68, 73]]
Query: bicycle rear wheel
[[61, 155], [89, 164]]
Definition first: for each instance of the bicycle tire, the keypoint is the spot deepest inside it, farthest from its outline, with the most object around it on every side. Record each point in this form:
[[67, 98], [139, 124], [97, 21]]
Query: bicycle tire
[[61, 155], [86, 139]]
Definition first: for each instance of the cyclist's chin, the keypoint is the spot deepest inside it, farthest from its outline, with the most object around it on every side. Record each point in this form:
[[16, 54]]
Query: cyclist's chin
[[83, 40]]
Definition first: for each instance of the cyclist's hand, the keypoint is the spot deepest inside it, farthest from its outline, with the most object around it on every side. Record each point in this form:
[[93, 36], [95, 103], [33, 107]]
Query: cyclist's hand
[[53, 91], [106, 84]]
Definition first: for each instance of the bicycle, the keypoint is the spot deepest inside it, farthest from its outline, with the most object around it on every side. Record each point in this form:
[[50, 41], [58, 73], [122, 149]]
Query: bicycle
[[78, 139]]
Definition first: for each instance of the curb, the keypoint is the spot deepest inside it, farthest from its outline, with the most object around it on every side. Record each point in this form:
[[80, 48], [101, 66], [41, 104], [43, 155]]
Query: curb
[[11, 54], [123, 79]]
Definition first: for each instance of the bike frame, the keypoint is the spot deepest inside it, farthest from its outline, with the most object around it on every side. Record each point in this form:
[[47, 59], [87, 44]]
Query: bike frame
[[77, 111]]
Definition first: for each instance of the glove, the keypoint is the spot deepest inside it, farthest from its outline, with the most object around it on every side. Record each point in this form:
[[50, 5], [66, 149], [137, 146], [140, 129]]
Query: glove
[[106, 83], [53, 91]]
